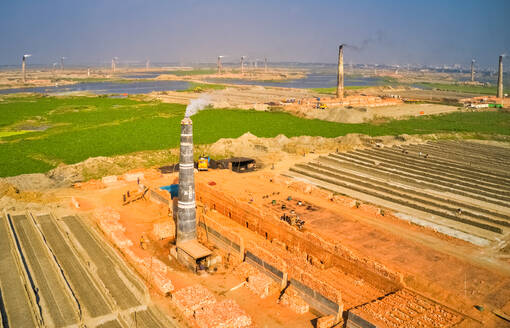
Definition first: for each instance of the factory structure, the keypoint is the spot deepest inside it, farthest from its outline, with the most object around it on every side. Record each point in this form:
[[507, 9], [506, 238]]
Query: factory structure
[[189, 251]]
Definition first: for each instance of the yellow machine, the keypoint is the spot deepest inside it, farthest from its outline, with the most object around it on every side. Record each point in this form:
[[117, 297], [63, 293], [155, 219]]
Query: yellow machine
[[323, 106], [203, 163]]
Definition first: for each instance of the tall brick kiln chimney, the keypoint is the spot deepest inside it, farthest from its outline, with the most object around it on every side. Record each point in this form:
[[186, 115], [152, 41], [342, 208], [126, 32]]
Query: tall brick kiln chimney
[[186, 216], [340, 76], [500, 78], [473, 70]]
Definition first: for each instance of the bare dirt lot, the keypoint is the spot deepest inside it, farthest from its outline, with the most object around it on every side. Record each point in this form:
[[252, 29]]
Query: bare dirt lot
[[367, 114]]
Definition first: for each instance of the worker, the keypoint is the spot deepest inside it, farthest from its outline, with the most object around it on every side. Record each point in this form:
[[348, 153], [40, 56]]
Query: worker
[[142, 243]]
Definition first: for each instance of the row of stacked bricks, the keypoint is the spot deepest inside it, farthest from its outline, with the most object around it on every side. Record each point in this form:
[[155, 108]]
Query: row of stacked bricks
[[227, 233], [302, 272], [407, 309], [270, 257], [108, 221], [263, 286], [152, 269], [197, 303]]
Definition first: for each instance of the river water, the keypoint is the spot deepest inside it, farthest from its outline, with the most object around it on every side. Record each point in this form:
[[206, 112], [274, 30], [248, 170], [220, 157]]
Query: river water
[[313, 80], [102, 88]]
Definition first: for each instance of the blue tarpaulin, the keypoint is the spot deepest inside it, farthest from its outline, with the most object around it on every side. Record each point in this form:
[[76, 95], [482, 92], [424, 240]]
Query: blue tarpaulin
[[172, 189]]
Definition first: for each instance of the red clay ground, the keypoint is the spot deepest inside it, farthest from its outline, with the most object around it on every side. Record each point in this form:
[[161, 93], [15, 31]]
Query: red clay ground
[[452, 272]]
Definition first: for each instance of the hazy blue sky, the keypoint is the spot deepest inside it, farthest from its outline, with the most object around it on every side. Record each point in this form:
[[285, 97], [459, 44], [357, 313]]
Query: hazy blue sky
[[390, 32]]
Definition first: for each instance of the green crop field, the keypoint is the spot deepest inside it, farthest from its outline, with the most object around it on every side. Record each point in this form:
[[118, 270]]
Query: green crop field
[[478, 89], [38, 133], [199, 87]]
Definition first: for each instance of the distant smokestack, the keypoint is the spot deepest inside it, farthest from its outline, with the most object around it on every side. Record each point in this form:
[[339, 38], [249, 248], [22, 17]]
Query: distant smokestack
[[219, 64], [186, 216], [265, 64], [340, 76], [473, 70], [242, 64], [500, 78], [23, 69]]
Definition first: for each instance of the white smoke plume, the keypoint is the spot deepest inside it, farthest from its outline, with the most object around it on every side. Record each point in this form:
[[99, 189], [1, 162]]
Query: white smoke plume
[[196, 105]]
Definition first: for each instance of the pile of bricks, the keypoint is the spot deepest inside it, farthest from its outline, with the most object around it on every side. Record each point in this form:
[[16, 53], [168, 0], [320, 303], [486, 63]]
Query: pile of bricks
[[407, 309], [223, 314], [262, 285], [227, 233], [293, 301], [244, 270], [268, 254], [108, 221], [322, 287], [153, 270], [164, 230], [192, 298], [162, 283], [325, 322]]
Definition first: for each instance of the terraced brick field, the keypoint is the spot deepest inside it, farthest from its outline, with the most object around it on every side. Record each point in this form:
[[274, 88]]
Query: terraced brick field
[[60, 273], [459, 188]]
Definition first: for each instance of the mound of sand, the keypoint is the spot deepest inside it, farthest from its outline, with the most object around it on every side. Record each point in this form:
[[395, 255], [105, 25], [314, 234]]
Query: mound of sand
[[251, 146]]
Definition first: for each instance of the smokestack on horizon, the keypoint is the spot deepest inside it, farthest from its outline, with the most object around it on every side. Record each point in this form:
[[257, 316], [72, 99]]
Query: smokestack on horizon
[[219, 64], [114, 64], [265, 64], [242, 64], [340, 76], [23, 68], [500, 77], [186, 215], [473, 70]]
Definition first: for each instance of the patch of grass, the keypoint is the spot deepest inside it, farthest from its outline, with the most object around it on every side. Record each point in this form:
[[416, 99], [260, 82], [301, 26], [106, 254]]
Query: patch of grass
[[201, 87], [332, 90], [83, 127], [479, 89]]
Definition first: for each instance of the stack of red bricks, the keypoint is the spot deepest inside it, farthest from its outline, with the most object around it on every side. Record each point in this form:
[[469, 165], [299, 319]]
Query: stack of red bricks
[[192, 298], [292, 300], [325, 322], [244, 270], [262, 285], [108, 220], [224, 314], [164, 230], [153, 270]]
